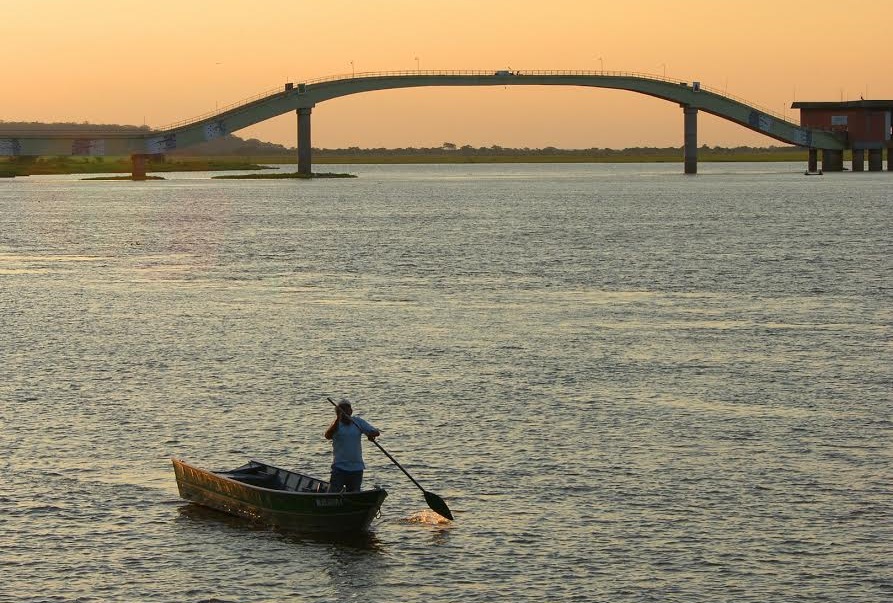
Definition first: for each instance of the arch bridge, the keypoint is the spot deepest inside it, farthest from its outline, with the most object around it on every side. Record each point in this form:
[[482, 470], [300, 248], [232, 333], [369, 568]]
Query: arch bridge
[[303, 97]]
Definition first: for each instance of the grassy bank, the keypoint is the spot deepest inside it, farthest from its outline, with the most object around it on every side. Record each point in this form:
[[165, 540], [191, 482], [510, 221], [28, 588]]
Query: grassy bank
[[41, 166], [26, 166], [456, 158], [283, 176], [321, 157]]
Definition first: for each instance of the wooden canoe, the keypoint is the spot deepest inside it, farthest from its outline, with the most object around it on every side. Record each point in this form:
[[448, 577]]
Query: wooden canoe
[[278, 497]]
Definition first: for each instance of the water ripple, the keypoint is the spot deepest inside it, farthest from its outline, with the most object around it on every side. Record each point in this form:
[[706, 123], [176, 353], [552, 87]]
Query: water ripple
[[627, 386]]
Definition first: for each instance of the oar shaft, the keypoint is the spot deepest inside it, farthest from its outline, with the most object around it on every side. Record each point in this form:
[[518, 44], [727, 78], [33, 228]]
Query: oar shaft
[[399, 466]]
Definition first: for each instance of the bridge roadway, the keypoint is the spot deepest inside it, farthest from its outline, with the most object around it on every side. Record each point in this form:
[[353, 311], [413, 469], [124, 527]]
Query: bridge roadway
[[303, 97]]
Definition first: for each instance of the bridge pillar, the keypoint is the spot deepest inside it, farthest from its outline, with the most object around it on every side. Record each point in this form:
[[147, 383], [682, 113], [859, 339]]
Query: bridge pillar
[[813, 162], [832, 160], [858, 160], [690, 147], [875, 160], [138, 163], [304, 155]]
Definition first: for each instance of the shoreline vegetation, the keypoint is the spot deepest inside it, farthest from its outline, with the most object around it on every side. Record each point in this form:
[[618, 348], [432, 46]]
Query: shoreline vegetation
[[283, 176], [56, 165], [231, 153]]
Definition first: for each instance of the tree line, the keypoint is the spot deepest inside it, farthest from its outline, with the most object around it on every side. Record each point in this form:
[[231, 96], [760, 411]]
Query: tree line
[[231, 144]]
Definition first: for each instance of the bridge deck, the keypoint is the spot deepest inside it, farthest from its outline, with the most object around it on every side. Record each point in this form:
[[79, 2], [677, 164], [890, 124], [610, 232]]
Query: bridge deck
[[306, 95]]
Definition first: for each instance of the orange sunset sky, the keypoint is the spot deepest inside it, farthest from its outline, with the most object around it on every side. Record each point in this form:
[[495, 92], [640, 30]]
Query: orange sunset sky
[[161, 61]]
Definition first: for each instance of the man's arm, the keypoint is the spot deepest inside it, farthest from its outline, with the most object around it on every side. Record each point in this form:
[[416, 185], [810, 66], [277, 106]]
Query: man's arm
[[366, 428], [330, 432]]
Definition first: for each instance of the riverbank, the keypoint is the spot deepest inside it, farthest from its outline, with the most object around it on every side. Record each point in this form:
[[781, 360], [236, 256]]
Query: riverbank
[[43, 166], [34, 166], [373, 156], [283, 176]]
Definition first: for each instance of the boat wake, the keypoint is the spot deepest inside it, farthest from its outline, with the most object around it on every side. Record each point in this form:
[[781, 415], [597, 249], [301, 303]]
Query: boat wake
[[428, 517]]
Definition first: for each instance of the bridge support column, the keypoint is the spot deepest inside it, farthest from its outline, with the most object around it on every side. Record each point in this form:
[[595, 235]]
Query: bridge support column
[[305, 166], [875, 160], [858, 160], [813, 162], [138, 163], [690, 147], [832, 160]]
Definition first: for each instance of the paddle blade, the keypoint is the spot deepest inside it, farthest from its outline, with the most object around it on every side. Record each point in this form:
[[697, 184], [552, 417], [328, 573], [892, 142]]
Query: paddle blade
[[437, 505]]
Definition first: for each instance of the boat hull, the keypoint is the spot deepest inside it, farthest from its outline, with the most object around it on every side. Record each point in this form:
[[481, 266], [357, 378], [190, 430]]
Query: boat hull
[[288, 504]]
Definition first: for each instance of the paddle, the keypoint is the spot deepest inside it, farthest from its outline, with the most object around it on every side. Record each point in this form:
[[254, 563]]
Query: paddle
[[435, 502]]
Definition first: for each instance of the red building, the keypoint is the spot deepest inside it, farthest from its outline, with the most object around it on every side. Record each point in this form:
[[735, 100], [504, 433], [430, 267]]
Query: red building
[[867, 125]]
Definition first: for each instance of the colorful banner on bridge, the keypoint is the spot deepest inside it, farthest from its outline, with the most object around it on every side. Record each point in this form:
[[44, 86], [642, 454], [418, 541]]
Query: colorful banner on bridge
[[760, 121], [803, 137], [10, 146], [161, 144], [215, 129]]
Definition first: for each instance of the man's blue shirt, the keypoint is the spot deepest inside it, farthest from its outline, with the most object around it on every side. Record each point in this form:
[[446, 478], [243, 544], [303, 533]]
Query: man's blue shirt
[[347, 445]]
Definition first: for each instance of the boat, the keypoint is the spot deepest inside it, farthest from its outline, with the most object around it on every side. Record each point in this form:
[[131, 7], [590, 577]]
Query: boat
[[278, 497]]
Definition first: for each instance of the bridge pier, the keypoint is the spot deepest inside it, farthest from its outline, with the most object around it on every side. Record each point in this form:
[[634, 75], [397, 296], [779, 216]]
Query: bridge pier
[[690, 147], [138, 163], [305, 167], [875, 160], [858, 160], [813, 162], [832, 160]]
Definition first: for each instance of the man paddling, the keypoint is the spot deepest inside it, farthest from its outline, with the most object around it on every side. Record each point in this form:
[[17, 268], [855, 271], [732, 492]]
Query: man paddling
[[347, 450]]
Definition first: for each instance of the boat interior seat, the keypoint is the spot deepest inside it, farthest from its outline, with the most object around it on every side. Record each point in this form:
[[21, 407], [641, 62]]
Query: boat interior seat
[[264, 480], [275, 481]]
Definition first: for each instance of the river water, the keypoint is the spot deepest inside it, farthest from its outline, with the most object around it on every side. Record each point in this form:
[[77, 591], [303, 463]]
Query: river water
[[627, 384]]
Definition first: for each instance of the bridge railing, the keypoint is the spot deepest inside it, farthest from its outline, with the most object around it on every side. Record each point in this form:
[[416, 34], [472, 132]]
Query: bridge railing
[[744, 101], [221, 110], [464, 72], [488, 72]]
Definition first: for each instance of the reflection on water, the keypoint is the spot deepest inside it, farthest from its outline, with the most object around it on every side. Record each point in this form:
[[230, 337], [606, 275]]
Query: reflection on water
[[206, 517]]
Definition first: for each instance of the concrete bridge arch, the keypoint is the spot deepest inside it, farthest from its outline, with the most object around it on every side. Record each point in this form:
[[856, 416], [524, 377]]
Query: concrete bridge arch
[[303, 97]]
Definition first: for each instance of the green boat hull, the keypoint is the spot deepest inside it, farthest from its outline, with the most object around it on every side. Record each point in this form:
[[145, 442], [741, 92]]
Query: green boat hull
[[278, 497]]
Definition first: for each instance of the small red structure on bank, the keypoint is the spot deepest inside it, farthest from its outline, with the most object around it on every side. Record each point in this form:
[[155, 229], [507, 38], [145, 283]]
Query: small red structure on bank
[[866, 125]]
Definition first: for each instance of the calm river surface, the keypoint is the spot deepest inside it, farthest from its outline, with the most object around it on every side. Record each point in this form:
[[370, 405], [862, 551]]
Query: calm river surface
[[627, 384]]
